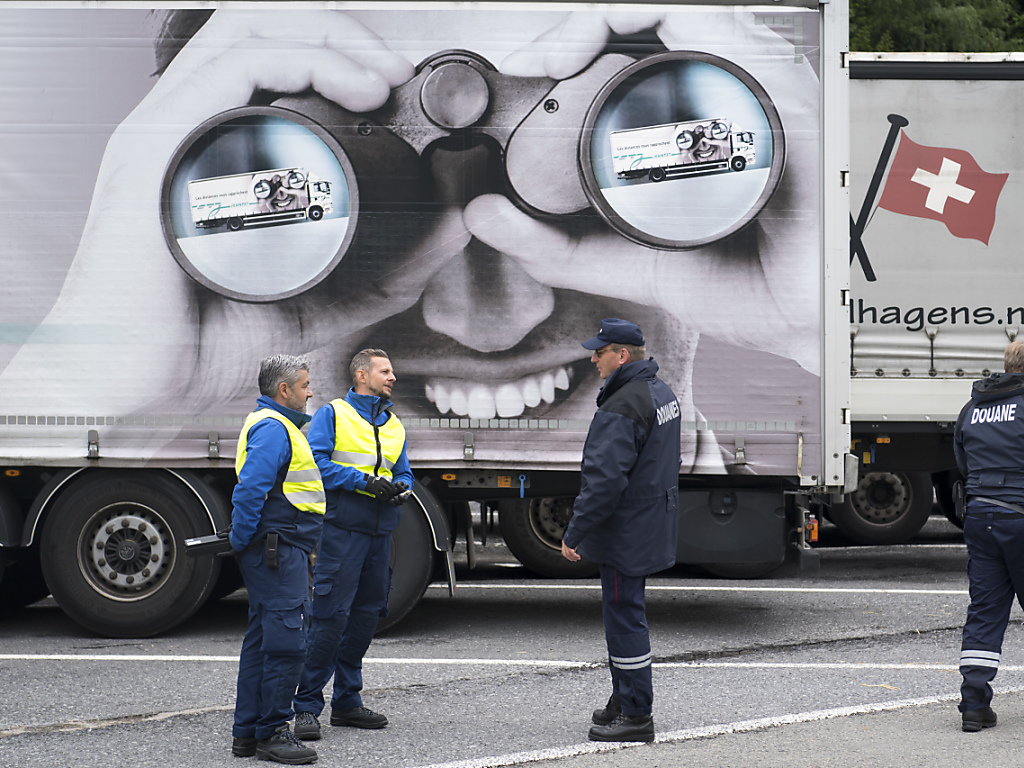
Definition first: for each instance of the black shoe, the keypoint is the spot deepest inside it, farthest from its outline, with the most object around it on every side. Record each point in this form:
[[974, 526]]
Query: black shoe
[[358, 717], [625, 728], [283, 747], [611, 710], [243, 746], [976, 719], [307, 727]]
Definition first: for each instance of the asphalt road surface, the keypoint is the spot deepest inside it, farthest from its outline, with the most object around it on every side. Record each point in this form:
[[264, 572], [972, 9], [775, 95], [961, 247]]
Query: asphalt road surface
[[852, 666]]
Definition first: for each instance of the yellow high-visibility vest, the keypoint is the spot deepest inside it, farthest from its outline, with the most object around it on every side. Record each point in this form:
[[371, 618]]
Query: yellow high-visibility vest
[[356, 447], [302, 487]]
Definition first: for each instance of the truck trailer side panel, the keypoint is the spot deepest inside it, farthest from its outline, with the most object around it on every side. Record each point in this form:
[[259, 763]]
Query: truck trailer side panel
[[933, 304], [478, 235]]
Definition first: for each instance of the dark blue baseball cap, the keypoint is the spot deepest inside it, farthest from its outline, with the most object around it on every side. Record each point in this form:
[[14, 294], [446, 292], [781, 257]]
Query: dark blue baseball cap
[[615, 331]]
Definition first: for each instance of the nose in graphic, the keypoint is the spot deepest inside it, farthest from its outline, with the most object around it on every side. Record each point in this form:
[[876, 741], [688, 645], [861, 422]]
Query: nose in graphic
[[481, 298]]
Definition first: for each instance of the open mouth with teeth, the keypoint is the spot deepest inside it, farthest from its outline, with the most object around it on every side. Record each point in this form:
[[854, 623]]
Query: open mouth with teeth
[[480, 400], [548, 369], [711, 153]]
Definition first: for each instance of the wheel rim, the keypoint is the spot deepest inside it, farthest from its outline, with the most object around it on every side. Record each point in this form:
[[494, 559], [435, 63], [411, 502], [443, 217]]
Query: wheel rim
[[126, 552], [549, 518], [882, 497]]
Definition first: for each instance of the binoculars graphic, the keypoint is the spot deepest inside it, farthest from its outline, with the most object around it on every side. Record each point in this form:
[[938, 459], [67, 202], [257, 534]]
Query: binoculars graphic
[[673, 150]]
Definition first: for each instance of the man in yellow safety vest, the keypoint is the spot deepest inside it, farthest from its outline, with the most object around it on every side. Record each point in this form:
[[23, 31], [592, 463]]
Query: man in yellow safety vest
[[360, 448], [277, 512]]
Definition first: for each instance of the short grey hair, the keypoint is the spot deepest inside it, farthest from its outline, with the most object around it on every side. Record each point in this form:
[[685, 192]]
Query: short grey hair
[[1013, 357], [635, 352], [280, 368], [362, 360]]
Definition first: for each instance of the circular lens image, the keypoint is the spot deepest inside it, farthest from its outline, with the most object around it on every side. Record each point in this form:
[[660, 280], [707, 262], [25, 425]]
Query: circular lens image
[[259, 204], [681, 149]]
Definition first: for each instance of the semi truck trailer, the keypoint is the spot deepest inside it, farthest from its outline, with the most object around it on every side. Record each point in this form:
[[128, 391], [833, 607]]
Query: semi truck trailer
[[485, 237], [933, 304]]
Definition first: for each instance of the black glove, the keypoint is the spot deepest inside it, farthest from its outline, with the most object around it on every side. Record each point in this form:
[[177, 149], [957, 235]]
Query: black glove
[[398, 499], [380, 487]]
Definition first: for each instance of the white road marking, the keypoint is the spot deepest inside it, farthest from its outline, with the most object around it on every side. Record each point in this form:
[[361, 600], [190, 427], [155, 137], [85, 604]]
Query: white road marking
[[667, 588], [234, 659], [822, 665], [540, 663]]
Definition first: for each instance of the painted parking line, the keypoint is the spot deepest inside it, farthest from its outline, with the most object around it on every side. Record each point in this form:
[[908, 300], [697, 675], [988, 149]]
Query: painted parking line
[[681, 588], [234, 659], [538, 663]]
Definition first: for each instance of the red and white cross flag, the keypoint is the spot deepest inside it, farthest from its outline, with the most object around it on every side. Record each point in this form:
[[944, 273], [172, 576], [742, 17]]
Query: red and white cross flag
[[947, 185]]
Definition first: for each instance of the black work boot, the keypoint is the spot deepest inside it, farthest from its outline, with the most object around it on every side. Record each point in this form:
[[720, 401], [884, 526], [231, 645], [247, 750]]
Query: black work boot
[[358, 717], [625, 728], [283, 747], [243, 746], [976, 719], [611, 710], [307, 727]]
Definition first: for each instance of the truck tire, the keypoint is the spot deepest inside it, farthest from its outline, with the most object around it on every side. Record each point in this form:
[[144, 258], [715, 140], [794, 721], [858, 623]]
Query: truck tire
[[738, 163], [412, 564], [235, 223], [316, 213], [885, 508], [113, 554], [229, 581], [23, 583], [740, 570], [944, 495], [656, 174], [533, 530]]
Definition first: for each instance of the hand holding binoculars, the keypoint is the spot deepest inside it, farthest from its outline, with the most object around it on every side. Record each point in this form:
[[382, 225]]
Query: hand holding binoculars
[[592, 142]]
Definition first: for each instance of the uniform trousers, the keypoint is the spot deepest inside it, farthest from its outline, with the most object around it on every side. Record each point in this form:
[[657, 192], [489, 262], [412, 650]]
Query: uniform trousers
[[351, 580], [275, 640], [629, 644], [995, 566]]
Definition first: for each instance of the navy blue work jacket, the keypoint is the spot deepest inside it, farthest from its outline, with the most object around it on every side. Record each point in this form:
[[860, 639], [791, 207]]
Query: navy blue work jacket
[[627, 512], [989, 438]]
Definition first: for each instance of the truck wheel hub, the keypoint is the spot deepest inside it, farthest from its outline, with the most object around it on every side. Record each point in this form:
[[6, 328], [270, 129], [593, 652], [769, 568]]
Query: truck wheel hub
[[549, 519], [881, 497], [125, 551]]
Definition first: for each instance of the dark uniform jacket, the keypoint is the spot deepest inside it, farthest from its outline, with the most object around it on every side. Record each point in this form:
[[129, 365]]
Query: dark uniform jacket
[[627, 513], [989, 438]]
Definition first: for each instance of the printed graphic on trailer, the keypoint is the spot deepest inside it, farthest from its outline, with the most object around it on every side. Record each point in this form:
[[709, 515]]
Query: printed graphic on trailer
[[475, 208]]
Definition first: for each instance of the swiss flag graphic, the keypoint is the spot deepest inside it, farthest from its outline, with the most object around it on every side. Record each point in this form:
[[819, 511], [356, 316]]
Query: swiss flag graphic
[[943, 184]]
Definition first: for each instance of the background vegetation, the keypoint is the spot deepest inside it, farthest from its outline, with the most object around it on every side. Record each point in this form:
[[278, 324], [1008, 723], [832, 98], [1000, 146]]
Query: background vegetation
[[936, 25]]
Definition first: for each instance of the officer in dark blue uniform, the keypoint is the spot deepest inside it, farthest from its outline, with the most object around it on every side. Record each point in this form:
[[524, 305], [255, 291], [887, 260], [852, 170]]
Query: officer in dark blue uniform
[[989, 446], [277, 512], [626, 517]]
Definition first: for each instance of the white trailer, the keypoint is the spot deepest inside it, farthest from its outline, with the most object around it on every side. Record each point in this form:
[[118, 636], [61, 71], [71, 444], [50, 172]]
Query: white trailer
[[681, 149], [126, 380], [933, 305], [258, 198]]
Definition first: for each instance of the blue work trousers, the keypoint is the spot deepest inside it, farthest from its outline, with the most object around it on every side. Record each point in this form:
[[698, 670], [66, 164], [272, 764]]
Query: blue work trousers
[[629, 644], [275, 641], [995, 551], [350, 594]]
